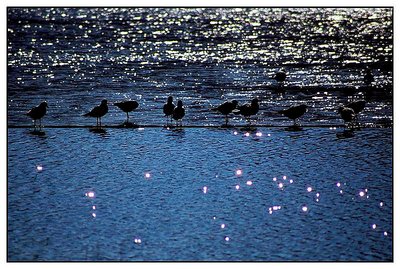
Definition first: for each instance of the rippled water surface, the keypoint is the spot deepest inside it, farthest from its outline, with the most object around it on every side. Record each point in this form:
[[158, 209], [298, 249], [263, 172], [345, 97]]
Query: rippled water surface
[[204, 193], [199, 194]]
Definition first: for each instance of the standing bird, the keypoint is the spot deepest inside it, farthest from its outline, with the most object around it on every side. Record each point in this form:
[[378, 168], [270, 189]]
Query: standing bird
[[294, 112], [98, 112], [248, 110], [280, 76], [347, 115], [178, 113], [127, 106], [37, 113], [226, 108], [357, 107], [169, 108]]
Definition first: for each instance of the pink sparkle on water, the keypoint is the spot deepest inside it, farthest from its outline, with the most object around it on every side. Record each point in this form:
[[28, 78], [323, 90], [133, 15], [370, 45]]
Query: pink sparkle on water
[[147, 175], [249, 183], [39, 168], [205, 189], [247, 134], [90, 194], [239, 172], [237, 187]]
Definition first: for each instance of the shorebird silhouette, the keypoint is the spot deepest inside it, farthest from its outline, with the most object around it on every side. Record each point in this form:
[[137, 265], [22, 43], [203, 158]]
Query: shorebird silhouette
[[280, 76], [168, 108], [226, 108], [98, 112], [347, 115], [368, 77], [127, 106], [357, 107], [248, 109], [37, 113], [294, 112], [178, 113]]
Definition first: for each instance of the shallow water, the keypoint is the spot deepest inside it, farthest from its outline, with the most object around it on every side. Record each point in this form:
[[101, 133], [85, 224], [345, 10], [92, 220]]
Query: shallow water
[[75, 57], [78, 195]]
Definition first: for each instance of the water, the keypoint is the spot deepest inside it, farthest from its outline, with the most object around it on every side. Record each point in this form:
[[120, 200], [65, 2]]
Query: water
[[74, 58], [199, 194], [190, 190]]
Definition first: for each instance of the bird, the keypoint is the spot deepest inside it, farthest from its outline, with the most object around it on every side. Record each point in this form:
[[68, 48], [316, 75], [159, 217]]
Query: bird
[[368, 77], [357, 106], [294, 112], [248, 109], [179, 112], [127, 106], [168, 108], [347, 115], [37, 113], [226, 108], [280, 76], [98, 112]]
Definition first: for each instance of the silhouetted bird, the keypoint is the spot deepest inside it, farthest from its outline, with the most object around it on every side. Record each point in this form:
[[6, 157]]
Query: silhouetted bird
[[280, 76], [37, 113], [368, 77], [357, 106], [169, 108], [226, 108], [179, 112], [127, 106], [98, 112], [248, 110], [294, 112], [347, 115]]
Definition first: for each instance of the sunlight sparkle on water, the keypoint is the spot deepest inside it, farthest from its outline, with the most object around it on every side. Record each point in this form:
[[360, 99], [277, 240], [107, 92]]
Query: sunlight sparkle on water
[[309, 189], [284, 177], [385, 233], [381, 204], [338, 184], [39, 168], [258, 134], [94, 207], [249, 182], [94, 215], [147, 175], [274, 179], [280, 185], [361, 193], [205, 189], [247, 134], [291, 181], [304, 208], [90, 194], [138, 241], [227, 238], [237, 187], [239, 172], [222, 226], [374, 226], [235, 133]]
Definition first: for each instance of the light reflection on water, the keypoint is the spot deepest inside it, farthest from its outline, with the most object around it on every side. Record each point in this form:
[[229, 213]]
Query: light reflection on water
[[123, 217]]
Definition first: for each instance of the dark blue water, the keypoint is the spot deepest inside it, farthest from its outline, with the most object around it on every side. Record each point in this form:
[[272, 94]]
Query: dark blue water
[[199, 194], [179, 192]]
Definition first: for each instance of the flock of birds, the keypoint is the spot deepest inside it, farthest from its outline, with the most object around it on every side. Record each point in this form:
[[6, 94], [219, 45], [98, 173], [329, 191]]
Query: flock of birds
[[176, 112]]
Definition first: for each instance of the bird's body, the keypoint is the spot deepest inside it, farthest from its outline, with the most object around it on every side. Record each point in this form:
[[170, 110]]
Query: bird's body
[[179, 112], [294, 112], [168, 108], [226, 108], [357, 106], [347, 115], [98, 112], [37, 113], [280, 76], [248, 109], [127, 106]]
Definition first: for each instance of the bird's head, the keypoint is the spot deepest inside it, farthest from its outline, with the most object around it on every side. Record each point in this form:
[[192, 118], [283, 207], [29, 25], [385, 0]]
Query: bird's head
[[170, 99], [104, 102], [180, 103], [235, 103], [254, 101], [43, 104]]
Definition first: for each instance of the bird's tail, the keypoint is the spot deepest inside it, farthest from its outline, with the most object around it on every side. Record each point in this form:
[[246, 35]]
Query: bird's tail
[[214, 109], [280, 111], [86, 115]]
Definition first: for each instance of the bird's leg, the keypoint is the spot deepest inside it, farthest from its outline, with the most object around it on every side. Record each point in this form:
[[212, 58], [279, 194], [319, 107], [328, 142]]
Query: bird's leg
[[40, 124], [97, 122], [226, 120], [127, 117]]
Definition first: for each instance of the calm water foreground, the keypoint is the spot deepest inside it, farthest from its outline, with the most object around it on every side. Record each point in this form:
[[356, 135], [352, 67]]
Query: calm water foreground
[[199, 194]]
